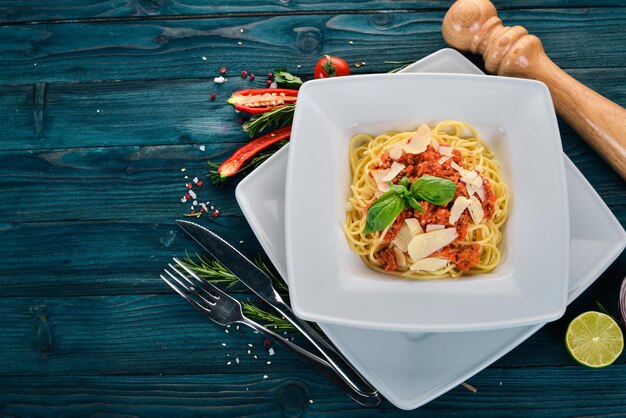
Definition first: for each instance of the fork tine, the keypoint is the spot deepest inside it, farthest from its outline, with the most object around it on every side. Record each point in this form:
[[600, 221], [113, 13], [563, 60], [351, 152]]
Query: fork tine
[[192, 302], [203, 283], [197, 285], [190, 288]]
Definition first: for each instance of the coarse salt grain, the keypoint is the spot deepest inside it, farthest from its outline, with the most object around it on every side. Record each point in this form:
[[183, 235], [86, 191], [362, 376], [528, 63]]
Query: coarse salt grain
[[195, 180], [183, 199], [265, 376], [351, 43], [226, 331], [310, 400], [202, 147], [239, 43], [192, 194], [241, 30], [228, 363], [219, 80], [269, 362], [255, 357], [223, 344], [270, 351], [250, 345], [241, 242], [195, 202], [183, 169], [203, 58], [248, 351], [237, 360]]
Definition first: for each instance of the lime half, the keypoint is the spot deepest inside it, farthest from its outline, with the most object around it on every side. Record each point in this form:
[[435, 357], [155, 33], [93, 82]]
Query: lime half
[[594, 339]]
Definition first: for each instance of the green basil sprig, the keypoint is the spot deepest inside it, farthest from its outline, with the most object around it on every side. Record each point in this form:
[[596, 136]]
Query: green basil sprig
[[390, 204], [285, 79]]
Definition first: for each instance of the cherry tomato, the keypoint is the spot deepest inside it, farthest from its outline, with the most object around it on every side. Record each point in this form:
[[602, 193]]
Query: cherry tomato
[[331, 67]]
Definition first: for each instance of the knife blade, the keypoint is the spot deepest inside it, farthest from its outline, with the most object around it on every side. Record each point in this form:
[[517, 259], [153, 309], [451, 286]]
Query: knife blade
[[238, 264], [261, 284]]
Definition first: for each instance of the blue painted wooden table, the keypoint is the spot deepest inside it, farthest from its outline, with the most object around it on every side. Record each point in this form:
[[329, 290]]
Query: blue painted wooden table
[[102, 102]]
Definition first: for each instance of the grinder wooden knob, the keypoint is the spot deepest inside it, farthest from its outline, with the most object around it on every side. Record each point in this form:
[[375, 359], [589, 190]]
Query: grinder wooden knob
[[473, 25]]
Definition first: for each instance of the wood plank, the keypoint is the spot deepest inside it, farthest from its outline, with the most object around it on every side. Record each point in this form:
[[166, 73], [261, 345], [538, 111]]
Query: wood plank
[[174, 48], [12, 11], [161, 334], [161, 112], [572, 391], [119, 184], [90, 258]]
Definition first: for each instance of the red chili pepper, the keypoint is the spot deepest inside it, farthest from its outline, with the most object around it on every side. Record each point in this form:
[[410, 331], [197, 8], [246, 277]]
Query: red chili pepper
[[261, 100], [231, 166]]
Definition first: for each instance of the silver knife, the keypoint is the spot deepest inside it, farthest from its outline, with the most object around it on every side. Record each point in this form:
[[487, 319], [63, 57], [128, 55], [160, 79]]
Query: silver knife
[[261, 284]]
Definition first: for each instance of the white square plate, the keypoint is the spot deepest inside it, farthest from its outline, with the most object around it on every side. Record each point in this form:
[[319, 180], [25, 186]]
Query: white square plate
[[331, 284], [398, 368]]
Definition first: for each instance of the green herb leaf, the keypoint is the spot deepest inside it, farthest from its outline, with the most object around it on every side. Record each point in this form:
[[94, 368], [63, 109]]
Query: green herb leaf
[[273, 119], [435, 190], [415, 204], [286, 80], [383, 212], [404, 181]]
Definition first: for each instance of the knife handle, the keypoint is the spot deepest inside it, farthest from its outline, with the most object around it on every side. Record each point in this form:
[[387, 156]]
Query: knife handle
[[331, 354], [321, 366]]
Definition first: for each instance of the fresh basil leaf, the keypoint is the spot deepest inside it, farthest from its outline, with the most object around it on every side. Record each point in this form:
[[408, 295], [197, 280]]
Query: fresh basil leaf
[[401, 190], [383, 212], [284, 78], [404, 181], [435, 190], [415, 204]]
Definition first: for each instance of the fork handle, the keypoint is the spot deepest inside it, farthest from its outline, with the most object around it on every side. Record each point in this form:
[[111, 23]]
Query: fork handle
[[330, 354], [365, 399]]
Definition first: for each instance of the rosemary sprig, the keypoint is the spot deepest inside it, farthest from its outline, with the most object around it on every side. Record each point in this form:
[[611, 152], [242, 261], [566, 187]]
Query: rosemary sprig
[[214, 272], [274, 119], [210, 270], [271, 321], [219, 180], [402, 65]]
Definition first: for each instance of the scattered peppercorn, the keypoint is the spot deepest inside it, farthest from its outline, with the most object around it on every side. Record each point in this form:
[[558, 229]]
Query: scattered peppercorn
[[244, 74], [266, 343], [213, 96], [251, 77], [270, 75], [269, 83], [223, 70], [189, 185], [215, 213], [199, 184]]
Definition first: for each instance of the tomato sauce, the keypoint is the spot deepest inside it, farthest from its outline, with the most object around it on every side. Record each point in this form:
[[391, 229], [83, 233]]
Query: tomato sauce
[[426, 163]]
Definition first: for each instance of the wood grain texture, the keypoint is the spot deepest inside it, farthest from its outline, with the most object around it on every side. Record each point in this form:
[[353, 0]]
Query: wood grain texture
[[501, 392], [13, 11], [160, 334], [174, 49], [95, 114]]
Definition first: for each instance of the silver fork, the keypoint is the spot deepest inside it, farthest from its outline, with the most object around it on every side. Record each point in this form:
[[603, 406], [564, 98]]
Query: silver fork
[[225, 310]]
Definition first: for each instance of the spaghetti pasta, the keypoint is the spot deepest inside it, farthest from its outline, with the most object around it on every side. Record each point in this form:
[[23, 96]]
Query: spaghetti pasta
[[455, 152]]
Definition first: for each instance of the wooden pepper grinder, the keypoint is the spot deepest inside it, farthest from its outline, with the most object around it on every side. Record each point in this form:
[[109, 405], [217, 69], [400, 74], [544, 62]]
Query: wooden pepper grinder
[[473, 25]]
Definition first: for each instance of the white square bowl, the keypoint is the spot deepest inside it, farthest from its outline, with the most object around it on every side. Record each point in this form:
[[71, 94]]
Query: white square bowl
[[330, 284]]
